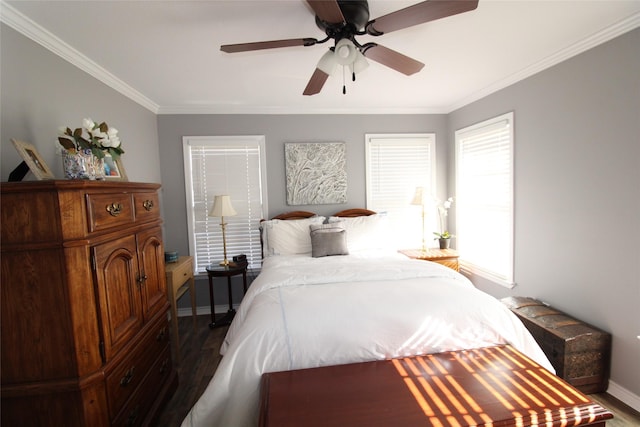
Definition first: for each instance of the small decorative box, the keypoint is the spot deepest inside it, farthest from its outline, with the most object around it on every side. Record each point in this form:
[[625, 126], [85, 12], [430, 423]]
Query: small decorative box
[[171, 256]]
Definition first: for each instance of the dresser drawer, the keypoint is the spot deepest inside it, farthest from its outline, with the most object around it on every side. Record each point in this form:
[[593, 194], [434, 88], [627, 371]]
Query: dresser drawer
[[143, 398], [128, 375], [109, 210], [146, 206], [180, 274]]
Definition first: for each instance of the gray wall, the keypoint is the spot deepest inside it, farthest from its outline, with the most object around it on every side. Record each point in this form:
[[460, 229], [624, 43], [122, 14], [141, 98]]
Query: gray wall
[[279, 129], [577, 195], [41, 92]]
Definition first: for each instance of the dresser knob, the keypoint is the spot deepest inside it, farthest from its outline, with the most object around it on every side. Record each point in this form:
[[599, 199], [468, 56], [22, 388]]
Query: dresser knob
[[148, 204], [142, 278], [114, 209], [133, 416], [128, 376], [164, 367]]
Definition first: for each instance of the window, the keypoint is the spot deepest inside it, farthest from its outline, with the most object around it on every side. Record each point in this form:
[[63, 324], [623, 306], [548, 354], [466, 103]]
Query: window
[[395, 166], [233, 165], [484, 198]]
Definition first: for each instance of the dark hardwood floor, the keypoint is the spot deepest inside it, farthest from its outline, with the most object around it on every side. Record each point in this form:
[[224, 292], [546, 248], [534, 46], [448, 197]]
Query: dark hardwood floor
[[199, 351], [199, 358]]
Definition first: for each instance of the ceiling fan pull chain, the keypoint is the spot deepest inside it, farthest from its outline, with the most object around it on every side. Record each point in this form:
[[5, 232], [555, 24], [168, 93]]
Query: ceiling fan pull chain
[[344, 85]]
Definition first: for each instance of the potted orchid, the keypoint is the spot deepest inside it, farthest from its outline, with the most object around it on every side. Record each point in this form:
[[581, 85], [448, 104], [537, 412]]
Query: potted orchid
[[444, 237], [83, 155]]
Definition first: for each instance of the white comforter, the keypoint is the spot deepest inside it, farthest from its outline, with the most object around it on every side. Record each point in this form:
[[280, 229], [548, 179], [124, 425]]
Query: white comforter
[[303, 312]]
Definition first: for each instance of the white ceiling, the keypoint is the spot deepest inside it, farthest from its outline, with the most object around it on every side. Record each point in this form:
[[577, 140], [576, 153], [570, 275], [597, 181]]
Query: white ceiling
[[166, 54]]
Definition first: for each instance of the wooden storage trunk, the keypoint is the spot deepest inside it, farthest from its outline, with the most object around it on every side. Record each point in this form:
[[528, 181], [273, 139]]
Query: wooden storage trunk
[[580, 353]]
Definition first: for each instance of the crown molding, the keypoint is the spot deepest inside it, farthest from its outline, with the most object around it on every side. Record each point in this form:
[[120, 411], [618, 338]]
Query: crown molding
[[49, 41], [242, 109], [598, 38]]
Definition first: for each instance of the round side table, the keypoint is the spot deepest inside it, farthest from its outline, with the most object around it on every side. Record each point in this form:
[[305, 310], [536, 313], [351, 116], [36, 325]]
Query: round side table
[[227, 271]]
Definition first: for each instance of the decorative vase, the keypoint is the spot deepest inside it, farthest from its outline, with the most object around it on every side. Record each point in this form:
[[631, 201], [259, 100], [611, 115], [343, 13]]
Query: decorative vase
[[82, 165], [99, 169], [444, 243]]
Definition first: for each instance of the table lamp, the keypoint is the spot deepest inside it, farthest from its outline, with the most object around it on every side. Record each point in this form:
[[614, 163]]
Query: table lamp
[[221, 208]]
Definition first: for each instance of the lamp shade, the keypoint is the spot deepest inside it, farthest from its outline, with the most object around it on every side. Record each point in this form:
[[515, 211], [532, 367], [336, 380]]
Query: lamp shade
[[360, 63], [222, 207], [327, 63], [418, 197]]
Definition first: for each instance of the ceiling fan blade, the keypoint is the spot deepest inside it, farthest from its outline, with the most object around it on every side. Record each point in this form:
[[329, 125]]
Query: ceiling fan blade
[[316, 82], [392, 59], [418, 14], [327, 10], [245, 47]]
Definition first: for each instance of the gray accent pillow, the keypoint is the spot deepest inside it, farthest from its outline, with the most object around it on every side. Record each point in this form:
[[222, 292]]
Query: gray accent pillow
[[328, 240]]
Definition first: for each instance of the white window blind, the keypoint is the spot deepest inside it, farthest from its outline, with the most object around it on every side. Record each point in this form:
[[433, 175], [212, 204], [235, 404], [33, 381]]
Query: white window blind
[[395, 165], [484, 197], [232, 165]]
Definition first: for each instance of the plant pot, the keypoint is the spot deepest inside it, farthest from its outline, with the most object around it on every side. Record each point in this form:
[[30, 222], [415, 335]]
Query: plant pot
[[444, 243], [82, 165]]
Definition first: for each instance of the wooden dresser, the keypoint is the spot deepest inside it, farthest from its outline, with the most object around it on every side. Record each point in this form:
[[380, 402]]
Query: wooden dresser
[[85, 335]]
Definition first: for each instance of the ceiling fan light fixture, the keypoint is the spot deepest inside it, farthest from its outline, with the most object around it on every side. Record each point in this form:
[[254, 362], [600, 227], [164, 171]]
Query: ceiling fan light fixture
[[327, 63], [345, 52]]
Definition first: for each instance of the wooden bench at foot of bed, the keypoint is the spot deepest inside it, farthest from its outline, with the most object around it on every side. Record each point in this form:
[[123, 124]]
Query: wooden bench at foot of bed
[[493, 386]]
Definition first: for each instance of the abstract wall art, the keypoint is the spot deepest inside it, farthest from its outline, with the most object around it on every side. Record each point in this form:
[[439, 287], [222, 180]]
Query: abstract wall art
[[316, 173]]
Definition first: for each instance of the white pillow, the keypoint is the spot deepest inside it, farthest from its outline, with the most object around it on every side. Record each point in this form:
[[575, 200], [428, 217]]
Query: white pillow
[[366, 232], [287, 237]]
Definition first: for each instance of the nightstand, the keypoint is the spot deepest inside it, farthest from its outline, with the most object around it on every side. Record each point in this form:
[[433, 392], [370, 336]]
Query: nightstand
[[179, 276], [228, 272], [446, 257]]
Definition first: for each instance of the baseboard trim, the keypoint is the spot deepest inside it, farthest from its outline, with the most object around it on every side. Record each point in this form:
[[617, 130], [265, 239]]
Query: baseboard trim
[[624, 395], [220, 309]]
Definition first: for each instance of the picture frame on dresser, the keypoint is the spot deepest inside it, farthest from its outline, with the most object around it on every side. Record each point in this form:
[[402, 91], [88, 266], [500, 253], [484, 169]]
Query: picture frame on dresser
[[113, 168], [33, 159]]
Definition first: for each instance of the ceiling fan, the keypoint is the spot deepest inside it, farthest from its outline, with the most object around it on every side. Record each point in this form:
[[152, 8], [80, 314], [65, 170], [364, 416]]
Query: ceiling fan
[[343, 20]]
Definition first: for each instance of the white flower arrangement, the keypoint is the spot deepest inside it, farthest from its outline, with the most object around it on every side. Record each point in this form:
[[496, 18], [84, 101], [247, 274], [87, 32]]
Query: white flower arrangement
[[443, 213], [101, 139]]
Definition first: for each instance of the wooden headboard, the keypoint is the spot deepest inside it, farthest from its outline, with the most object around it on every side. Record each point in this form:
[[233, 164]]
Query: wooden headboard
[[347, 213], [350, 213], [294, 215]]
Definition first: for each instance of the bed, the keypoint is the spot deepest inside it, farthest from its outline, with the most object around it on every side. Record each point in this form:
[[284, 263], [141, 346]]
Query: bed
[[333, 291]]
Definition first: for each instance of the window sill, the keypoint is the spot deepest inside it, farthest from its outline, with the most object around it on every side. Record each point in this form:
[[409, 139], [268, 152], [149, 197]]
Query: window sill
[[472, 272]]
